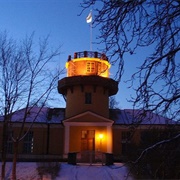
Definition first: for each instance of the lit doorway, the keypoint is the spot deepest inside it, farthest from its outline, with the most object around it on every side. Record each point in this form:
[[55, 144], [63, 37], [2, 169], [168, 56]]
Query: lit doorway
[[87, 146]]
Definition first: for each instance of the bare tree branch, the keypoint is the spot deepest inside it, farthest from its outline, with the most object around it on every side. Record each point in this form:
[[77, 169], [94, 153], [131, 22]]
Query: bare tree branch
[[25, 80]]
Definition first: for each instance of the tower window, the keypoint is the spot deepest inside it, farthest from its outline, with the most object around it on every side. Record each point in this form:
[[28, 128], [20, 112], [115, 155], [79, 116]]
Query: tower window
[[88, 98], [90, 67]]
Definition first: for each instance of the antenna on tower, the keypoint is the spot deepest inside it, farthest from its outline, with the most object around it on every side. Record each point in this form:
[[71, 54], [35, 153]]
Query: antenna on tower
[[89, 21]]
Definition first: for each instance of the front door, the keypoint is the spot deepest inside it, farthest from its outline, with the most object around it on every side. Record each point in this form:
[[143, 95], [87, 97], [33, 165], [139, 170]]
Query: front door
[[87, 145]]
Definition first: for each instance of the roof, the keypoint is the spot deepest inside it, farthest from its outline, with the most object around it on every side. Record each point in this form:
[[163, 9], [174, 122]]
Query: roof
[[120, 117], [93, 80], [134, 116], [39, 115]]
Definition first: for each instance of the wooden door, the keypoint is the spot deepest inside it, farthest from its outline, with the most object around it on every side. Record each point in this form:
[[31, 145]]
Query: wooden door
[[87, 145]]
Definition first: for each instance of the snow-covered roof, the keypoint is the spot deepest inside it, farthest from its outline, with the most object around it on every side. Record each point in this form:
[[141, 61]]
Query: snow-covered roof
[[131, 116], [38, 115], [120, 117]]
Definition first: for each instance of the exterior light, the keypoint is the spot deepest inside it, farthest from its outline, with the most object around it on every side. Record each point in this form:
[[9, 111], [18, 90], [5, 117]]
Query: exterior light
[[101, 136], [100, 142]]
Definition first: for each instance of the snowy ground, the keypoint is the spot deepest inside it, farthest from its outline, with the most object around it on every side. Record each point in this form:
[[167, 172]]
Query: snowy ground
[[64, 171]]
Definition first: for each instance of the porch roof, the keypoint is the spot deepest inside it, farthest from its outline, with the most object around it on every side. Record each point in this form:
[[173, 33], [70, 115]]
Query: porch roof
[[88, 117]]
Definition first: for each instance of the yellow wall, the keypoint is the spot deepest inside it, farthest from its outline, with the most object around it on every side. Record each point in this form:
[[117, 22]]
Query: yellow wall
[[117, 138], [56, 145], [135, 139], [56, 138], [78, 67], [117, 146], [75, 103]]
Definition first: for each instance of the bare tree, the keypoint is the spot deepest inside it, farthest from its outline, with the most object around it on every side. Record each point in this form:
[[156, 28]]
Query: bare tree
[[113, 104], [27, 79], [128, 26], [153, 28]]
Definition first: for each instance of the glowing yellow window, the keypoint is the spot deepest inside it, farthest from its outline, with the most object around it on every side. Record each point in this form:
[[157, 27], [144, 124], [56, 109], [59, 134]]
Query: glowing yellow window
[[90, 67]]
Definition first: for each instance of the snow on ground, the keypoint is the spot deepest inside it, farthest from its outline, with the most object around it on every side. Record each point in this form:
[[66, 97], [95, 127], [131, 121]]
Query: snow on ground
[[64, 171]]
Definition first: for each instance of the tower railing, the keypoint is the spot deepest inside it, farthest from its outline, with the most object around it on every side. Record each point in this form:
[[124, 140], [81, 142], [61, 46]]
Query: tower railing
[[90, 54]]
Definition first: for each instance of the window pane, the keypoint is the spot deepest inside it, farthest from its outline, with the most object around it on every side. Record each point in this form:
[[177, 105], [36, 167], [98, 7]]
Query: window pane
[[10, 143], [90, 67], [28, 143]]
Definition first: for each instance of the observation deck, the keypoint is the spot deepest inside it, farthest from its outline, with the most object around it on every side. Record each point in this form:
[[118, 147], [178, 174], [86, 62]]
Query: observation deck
[[88, 63], [90, 54], [88, 68]]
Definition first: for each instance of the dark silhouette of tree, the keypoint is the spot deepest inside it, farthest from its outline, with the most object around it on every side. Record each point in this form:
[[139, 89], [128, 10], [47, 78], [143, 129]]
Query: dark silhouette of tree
[[154, 157], [113, 104], [26, 79], [151, 27]]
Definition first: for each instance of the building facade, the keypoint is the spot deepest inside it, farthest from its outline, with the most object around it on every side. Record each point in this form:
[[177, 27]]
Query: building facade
[[86, 126], [87, 88]]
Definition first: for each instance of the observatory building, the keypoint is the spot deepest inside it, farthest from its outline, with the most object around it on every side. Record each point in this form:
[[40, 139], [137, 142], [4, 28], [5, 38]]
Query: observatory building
[[86, 89], [86, 130]]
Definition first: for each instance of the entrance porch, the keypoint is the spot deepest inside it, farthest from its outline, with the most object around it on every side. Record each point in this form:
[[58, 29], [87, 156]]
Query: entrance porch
[[89, 136]]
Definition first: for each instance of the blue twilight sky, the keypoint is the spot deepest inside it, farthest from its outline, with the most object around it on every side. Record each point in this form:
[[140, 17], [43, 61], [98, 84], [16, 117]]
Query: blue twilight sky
[[60, 19]]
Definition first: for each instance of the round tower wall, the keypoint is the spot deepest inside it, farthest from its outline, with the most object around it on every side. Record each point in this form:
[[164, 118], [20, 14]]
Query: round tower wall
[[87, 98], [88, 66]]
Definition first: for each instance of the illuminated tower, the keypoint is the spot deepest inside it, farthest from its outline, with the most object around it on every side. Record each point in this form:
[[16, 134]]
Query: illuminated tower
[[87, 88]]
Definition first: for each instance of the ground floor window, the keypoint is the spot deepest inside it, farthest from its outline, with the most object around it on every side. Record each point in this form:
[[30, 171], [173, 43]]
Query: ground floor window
[[28, 143], [125, 141], [10, 143]]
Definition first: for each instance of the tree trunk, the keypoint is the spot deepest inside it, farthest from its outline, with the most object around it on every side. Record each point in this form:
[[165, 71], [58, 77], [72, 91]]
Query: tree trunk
[[3, 167], [15, 159], [4, 148], [3, 170]]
